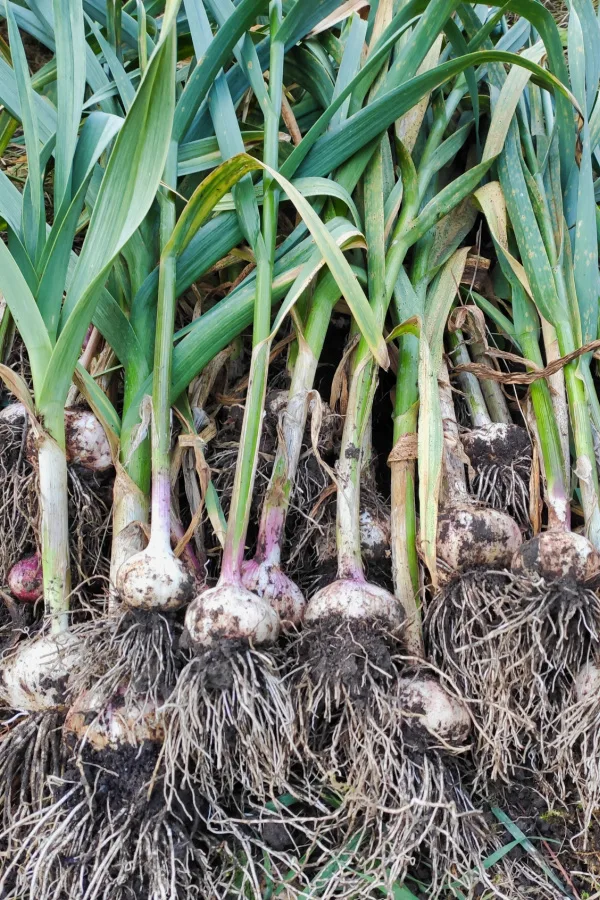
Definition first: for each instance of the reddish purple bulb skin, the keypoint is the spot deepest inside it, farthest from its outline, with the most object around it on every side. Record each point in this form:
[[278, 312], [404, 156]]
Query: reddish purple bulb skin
[[25, 579]]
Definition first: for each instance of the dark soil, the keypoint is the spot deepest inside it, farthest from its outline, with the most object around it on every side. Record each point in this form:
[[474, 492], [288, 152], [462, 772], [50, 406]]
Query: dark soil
[[119, 776], [37, 55], [499, 450], [217, 663], [339, 650]]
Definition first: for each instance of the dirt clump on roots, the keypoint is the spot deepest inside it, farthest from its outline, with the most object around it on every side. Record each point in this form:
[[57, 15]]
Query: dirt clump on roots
[[339, 649], [500, 468], [110, 834], [344, 681]]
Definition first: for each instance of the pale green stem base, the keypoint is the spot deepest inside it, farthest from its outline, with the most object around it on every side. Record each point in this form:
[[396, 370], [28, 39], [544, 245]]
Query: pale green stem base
[[54, 508], [360, 400]]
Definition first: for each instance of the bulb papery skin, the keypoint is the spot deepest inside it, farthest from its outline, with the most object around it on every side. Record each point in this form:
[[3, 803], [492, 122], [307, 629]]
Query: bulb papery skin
[[587, 682], [375, 538], [434, 709], [113, 726], [556, 555], [375, 535], [470, 537], [155, 579], [229, 611], [87, 444], [86, 441], [276, 403], [354, 599], [35, 676], [497, 443], [25, 579], [270, 583], [13, 413]]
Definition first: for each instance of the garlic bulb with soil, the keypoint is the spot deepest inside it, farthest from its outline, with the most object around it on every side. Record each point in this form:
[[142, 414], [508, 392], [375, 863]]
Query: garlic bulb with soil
[[231, 731], [432, 709], [513, 641], [469, 536], [87, 444], [499, 452], [107, 815], [86, 441], [35, 675], [154, 580], [35, 682]]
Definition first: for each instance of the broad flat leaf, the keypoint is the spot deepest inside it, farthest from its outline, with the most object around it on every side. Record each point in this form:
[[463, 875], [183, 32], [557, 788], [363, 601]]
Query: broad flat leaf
[[491, 200], [332, 149], [354, 239], [127, 190], [9, 97], [506, 104], [70, 79], [11, 203], [244, 51], [409, 125], [26, 315], [97, 133], [215, 58], [308, 187], [121, 78], [34, 221]]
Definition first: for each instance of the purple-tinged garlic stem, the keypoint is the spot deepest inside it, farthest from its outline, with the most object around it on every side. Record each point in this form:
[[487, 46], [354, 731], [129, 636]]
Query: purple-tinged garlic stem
[[270, 537], [177, 535]]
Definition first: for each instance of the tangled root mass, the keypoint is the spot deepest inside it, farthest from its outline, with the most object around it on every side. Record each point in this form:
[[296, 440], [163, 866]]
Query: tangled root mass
[[17, 526], [31, 755], [397, 797], [137, 654], [231, 727], [109, 836], [513, 646]]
